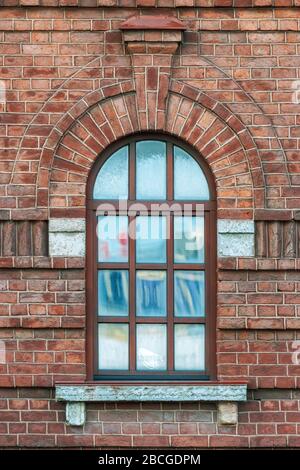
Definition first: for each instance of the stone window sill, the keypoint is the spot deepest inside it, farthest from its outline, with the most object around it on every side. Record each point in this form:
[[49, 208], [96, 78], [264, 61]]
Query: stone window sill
[[227, 396]]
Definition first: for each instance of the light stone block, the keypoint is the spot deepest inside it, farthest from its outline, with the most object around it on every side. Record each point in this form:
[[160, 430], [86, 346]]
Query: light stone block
[[66, 244], [67, 237], [138, 393], [67, 225], [236, 237], [235, 226], [236, 244], [75, 413], [227, 413]]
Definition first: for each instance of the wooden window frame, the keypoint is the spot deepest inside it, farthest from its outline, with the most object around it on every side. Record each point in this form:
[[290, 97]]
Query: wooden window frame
[[209, 267]]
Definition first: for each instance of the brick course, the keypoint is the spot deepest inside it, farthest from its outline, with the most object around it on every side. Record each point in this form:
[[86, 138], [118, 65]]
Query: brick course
[[71, 87]]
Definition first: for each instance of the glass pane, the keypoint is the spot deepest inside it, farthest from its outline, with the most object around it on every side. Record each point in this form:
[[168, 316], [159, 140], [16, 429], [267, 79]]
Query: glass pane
[[112, 235], [112, 179], [189, 347], [151, 347], [189, 179], [150, 170], [151, 239], [151, 294], [112, 293], [113, 346], [189, 292], [189, 239]]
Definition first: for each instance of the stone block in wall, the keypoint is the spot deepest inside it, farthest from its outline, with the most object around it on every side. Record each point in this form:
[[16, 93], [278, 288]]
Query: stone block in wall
[[67, 237], [236, 237]]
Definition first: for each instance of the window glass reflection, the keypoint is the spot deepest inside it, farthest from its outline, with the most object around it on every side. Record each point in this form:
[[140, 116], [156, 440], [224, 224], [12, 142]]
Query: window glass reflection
[[189, 179], [113, 346], [112, 179], [150, 239], [112, 239], [189, 293], [150, 170], [189, 347], [151, 346], [113, 292], [188, 239], [151, 293]]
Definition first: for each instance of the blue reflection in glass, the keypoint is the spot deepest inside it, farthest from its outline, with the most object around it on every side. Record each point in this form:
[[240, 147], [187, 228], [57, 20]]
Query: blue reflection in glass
[[189, 293], [112, 292], [150, 239], [151, 294]]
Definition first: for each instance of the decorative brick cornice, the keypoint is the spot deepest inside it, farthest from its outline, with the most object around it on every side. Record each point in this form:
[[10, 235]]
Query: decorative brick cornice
[[150, 22]]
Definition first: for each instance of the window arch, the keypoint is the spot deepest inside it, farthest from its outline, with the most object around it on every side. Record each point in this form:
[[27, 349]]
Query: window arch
[[151, 263]]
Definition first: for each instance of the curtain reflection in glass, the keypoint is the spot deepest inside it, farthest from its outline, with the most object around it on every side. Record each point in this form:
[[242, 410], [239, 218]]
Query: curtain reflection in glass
[[151, 347], [188, 239], [150, 170], [112, 179], [150, 239], [189, 179], [189, 293], [112, 239], [113, 292], [189, 347], [151, 293], [113, 346]]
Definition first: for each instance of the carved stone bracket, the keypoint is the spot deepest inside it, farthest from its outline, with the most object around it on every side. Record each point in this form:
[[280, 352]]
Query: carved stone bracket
[[152, 41]]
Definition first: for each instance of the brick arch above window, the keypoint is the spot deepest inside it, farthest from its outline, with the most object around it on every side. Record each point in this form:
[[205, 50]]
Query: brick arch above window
[[201, 121]]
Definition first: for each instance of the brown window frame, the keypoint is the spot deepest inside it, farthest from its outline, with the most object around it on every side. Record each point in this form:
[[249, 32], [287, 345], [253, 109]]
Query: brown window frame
[[92, 266]]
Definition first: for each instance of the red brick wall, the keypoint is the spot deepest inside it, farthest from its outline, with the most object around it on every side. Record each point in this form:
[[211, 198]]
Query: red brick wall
[[70, 91]]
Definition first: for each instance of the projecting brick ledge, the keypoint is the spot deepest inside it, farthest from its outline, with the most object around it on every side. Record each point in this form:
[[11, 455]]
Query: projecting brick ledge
[[229, 263], [149, 3], [151, 22]]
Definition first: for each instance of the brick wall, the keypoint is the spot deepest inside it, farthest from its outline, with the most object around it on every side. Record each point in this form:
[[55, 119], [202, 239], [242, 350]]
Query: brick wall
[[231, 92]]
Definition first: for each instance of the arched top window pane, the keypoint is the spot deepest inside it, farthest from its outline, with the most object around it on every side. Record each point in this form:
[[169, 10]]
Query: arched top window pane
[[189, 180], [112, 179], [151, 170]]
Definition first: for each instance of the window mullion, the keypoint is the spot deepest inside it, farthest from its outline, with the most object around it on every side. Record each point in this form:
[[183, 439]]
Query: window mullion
[[207, 285], [132, 294], [132, 172], [170, 294], [170, 175]]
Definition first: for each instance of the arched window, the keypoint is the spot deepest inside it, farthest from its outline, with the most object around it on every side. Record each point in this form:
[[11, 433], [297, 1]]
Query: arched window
[[151, 264]]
